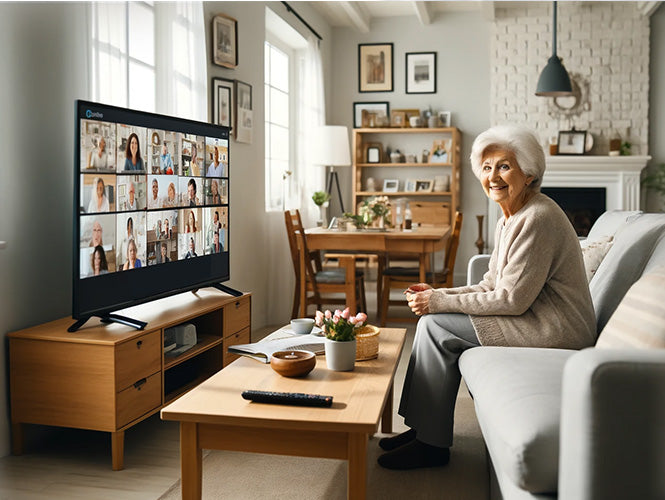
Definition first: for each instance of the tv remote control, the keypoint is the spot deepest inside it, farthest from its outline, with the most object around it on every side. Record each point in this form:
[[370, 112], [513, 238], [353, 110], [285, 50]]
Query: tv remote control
[[288, 398]]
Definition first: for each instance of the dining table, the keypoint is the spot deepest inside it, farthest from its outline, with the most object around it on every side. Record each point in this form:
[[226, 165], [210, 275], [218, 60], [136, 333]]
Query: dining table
[[422, 241]]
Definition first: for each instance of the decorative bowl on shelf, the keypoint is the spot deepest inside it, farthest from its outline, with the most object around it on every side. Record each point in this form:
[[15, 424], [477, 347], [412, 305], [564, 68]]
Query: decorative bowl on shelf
[[293, 363]]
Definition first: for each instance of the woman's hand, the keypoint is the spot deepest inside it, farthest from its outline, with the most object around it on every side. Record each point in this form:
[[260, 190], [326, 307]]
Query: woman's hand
[[418, 287], [419, 300]]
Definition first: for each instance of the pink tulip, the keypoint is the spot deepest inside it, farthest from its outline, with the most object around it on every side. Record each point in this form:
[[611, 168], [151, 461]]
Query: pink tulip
[[346, 313], [338, 312], [361, 317], [319, 318], [328, 314], [335, 319], [352, 320]]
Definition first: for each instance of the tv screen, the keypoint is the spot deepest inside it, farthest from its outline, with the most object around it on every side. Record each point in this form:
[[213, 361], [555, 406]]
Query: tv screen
[[151, 207]]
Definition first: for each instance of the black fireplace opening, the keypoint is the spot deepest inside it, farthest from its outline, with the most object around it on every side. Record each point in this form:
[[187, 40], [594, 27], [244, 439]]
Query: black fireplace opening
[[582, 205]]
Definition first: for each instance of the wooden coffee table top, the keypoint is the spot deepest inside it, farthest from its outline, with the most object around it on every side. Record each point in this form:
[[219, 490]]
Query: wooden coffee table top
[[358, 396]]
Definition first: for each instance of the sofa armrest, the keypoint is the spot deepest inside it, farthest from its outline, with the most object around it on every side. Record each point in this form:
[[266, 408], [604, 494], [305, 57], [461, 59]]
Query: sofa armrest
[[612, 440], [476, 268]]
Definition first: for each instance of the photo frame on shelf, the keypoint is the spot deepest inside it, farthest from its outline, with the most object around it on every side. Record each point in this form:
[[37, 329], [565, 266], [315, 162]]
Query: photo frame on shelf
[[244, 118], [373, 152], [409, 113], [420, 72], [410, 186], [375, 67], [572, 142], [440, 151], [424, 186], [398, 119], [444, 119], [371, 114], [222, 102], [225, 41], [390, 185]]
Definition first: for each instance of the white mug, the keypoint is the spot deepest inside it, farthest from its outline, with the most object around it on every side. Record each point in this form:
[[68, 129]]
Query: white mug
[[415, 121]]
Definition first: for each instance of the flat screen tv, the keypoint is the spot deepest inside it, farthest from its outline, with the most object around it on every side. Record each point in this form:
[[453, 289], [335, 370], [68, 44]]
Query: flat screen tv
[[151, 209]]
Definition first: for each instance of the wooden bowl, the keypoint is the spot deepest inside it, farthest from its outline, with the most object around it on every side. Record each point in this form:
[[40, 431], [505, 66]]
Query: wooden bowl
[[293, 363]]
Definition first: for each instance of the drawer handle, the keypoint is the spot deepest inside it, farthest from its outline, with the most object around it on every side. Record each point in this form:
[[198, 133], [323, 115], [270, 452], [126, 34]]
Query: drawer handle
[[138, 384], [139, 344], [237, 305]]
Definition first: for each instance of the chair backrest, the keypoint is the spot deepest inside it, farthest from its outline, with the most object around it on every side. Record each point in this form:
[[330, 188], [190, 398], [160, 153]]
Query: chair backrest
[[291, 221], [430, 213], [453, 243], [297, 238]]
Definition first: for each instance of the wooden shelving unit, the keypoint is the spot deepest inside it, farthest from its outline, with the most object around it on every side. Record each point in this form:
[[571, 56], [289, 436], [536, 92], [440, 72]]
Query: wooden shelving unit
[[409, 140]]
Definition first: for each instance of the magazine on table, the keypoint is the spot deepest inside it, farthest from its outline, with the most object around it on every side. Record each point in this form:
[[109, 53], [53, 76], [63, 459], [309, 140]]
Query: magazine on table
[[281, 340]]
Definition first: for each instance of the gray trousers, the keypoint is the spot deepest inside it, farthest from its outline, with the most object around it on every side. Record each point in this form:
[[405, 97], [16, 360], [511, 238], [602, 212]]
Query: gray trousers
[[433, 376]]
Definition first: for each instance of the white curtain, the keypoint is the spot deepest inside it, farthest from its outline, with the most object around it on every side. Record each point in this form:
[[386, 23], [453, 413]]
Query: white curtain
[[311, 116], [181, 60]]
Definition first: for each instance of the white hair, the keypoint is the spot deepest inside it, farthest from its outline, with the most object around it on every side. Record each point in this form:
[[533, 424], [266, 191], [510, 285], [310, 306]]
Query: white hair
[[521, 141]]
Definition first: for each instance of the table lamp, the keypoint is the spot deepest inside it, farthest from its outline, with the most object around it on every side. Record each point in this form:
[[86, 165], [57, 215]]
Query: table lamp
[[333, 151]]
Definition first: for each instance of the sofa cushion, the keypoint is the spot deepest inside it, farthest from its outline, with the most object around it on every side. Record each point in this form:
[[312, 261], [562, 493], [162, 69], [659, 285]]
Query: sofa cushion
[[657, 258], [517, 394], [639, 321], [624, 263], [608, 224], [594, 253]]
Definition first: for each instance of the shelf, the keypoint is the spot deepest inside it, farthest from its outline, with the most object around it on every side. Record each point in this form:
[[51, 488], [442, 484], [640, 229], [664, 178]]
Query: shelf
[[176, 393], [427, 165], [206, 342], [403, 193], [407, 130]]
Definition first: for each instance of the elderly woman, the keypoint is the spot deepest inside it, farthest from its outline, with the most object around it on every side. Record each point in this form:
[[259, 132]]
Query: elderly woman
[[535, 294]]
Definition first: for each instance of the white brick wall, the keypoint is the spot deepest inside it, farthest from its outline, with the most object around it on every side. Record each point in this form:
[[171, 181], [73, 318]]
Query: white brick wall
[[607, 43]]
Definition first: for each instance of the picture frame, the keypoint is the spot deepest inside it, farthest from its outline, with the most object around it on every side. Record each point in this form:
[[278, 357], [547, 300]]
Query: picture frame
[[409, 113], [362, 110], [390, 185], [375, 67], [444, 119], [424, 185], [441, 151], [225, 41], [420, 73], [410, 186], [572, 142], [373, 152], [244, 118], [222, 102], [398, 119]]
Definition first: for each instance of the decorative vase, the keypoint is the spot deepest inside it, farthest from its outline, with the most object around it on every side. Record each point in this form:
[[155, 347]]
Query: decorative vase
[[322, 216], [340, 356]]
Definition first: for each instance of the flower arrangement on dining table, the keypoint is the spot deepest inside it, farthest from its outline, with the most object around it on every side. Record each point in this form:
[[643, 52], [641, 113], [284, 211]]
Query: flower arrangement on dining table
[[340, 326], [372, 210]]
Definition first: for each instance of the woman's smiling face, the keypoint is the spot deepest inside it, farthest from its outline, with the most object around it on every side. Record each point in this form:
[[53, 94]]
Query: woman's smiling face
[[503, 180]]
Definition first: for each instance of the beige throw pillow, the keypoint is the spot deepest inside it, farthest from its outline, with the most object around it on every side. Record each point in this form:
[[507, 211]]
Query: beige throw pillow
[[639, 320], [594, 252]]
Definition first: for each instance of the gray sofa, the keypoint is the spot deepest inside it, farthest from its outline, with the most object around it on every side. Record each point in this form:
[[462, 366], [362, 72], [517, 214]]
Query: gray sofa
[[586, 424]]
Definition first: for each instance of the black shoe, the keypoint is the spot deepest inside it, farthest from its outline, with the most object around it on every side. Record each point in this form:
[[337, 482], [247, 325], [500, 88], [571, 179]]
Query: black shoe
[[415, 455], [394, 442]]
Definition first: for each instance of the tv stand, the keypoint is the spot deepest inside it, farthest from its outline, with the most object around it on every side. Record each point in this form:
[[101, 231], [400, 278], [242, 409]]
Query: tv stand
[[227, 289], [110, 318]]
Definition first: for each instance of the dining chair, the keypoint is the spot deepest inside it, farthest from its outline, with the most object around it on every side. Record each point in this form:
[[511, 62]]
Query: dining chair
[[314, 284], [401, 277]]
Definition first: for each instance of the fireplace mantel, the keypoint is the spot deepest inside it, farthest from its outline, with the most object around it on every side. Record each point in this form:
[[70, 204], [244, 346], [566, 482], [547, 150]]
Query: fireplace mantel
[[619, 175]]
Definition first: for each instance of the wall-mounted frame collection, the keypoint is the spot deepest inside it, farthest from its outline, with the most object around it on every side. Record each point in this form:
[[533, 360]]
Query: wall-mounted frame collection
[[420, 73], [222, 102], [225, 41], [375, 67]]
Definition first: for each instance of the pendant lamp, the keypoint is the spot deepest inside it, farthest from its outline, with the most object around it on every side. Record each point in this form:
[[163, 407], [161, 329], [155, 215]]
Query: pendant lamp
[[554, 80]]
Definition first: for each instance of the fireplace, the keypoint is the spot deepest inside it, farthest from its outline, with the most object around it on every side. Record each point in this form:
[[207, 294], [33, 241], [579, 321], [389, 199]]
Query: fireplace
[[617, 176], [583, 205]]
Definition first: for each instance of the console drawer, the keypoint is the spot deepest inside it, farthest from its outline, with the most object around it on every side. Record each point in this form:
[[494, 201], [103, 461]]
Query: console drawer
[[236, 315], [242, 337], [138, 399], [137, 359]]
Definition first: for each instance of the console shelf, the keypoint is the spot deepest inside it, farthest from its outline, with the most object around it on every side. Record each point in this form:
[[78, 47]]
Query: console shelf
[[109, 377]]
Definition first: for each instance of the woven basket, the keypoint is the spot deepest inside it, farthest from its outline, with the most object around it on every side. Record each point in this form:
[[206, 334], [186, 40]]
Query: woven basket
[[367, 343]]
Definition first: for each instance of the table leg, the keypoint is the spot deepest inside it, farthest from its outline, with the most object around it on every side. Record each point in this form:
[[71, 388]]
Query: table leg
[[357, 467], [423, 267], [118, 450], [380, 266], [17, 439], [387, 415], [190, 462]]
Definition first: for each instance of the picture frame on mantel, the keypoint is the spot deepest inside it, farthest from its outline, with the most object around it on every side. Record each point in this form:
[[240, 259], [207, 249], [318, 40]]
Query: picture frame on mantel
[[375, 67], [572, 142], [420, 72], [225, 41]]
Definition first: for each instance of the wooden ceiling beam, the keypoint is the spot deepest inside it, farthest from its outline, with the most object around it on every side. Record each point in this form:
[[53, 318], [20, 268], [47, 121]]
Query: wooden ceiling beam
[[423, 12], [359, 18]]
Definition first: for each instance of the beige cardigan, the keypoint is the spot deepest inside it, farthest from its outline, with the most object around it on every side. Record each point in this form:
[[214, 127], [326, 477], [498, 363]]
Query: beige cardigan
[[535, 293]]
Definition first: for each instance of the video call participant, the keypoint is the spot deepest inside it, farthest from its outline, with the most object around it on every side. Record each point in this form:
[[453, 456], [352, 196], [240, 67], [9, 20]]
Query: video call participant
[[96, 239], [132, 261], [170, 200], [158, 230], [153, 201], [167, 231], [190, 225], [98, 157], [164, 257], [133, 160], [98, 261], [216, 169], [165, 161], [125, 242], [215, 198], [191, 192], [194, 162], [192, 249], [98, 200], [131, 204], [217, 246]]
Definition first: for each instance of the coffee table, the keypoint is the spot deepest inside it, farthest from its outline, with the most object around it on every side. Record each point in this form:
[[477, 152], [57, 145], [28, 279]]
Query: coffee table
[[214, 415]]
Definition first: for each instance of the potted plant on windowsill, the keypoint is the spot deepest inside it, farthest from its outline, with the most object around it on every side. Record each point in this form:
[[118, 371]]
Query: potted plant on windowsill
[[340, 343]]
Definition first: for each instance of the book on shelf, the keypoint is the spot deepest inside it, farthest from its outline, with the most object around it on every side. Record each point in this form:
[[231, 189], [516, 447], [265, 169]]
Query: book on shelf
[[280, 340]]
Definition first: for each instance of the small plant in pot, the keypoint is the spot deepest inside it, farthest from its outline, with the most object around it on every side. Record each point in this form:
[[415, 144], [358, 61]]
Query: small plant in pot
[[340, 331], [321, 200]]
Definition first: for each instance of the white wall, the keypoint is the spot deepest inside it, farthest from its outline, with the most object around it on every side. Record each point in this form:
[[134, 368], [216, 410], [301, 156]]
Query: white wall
[[461, 41], [43, 61]]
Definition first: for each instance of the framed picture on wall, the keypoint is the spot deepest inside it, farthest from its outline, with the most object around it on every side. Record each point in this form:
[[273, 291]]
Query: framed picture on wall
[[420, 72], [222, 102], [572, 142], [225, 41], [375, 67], [244, 119]]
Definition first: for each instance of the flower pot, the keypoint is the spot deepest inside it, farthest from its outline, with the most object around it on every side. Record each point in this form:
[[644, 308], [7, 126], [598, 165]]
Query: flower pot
[[340, 356]]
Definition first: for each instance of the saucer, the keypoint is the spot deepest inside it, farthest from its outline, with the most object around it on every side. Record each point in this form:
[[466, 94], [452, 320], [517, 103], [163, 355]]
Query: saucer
[[315, 331]]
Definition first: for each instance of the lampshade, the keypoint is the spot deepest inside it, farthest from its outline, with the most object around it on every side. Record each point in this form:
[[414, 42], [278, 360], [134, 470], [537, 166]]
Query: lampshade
[[332, 148], [554, 80]]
